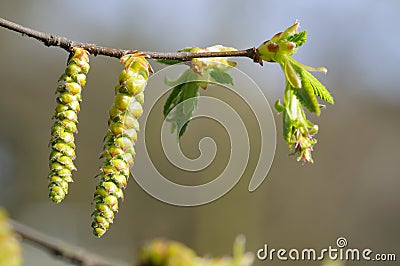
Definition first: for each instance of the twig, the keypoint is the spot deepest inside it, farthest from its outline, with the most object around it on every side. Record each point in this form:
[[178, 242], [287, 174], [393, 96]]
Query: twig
[[75, 255], [94, 49]]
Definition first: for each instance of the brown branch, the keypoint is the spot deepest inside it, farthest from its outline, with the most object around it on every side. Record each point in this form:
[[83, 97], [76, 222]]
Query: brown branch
[[94, 49], [74, 255]]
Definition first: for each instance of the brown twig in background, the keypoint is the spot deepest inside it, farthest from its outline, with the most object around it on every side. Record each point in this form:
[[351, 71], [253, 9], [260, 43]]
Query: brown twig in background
[[94, 49], [74, 255]]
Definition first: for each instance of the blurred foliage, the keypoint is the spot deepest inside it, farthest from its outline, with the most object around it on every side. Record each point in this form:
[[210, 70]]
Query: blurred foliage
[[161, 252], [10, 250]]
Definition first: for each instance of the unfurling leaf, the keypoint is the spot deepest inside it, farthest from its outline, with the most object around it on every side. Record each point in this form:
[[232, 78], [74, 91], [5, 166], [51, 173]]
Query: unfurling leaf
[[220, 76], [298, 38], [182, 101]]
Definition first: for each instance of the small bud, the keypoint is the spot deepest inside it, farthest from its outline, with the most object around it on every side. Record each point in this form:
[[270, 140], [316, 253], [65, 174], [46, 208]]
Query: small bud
[[124, 143], [115, 151], [64, 172], [112, 202], [72, 69], [114, 111], [135, 108], [109, 170], [69, 125], [110, 187], [119, 164], [102, 207], [119, 180], [101, 191], [98, 231], [73, 88], [80, 79], [117, 128], [131, 134], [122, 101], [135, 84], [140, 98]]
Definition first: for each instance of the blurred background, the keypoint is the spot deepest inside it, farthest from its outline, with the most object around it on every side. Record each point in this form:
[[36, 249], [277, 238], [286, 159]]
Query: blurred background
[[351, 190]]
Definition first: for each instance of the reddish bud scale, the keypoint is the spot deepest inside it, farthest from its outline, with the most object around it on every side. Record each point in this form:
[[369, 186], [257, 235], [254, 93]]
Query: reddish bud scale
[[65, 124], [118, 154]]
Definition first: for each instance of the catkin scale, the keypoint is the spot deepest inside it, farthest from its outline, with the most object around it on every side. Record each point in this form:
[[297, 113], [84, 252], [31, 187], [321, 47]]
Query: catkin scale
[[118, 151], [62, 139]]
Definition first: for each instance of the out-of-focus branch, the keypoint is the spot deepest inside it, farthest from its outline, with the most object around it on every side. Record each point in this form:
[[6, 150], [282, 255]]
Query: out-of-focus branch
[[61, 250]]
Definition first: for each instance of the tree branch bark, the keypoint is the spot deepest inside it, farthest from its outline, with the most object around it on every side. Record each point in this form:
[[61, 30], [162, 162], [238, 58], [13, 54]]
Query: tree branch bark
[[94, 49], [74, 255]]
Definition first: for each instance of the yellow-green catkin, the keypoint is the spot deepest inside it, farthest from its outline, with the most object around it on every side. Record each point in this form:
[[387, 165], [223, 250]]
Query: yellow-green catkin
[[62, 142], [10, 249], [118, 154]]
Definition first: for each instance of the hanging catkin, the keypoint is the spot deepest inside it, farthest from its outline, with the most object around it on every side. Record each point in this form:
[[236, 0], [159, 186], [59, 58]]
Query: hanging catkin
[[119, 152], [65, 124]]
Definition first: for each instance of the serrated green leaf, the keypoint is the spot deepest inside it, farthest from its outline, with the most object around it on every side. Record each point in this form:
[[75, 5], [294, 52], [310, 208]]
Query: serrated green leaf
[[306, 95], [220, 76], [318, 88], [298, 38]]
